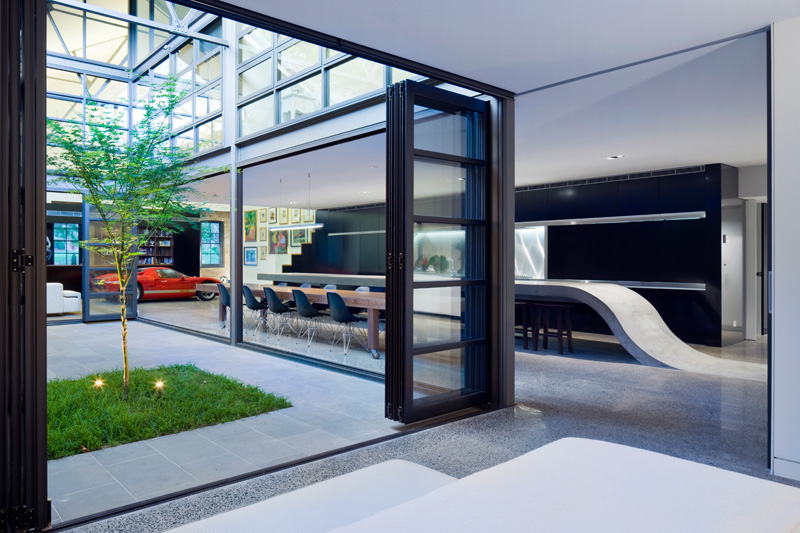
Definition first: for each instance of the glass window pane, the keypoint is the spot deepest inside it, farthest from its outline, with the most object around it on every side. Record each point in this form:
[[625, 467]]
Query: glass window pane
[[184, 57], [255, 78], [61, 81], [444, 252], [103, 89], [209, 134], [297, 58], [330, 52], [446, 189], [447, 373], [254, 43], [106, 40], [256, 116], [354, 78], [399, 74], [301, 99], [208, 102], [441, 131], [185, 140], [182, 116], [208, 70], [449, 314], [64, 109], [69, 30]]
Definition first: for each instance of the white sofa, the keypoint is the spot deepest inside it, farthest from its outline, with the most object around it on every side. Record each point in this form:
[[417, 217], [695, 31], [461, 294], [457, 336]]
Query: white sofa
[[60, 301], [568, 485]]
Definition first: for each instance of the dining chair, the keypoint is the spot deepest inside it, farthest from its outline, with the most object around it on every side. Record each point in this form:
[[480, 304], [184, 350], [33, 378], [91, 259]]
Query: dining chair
[[358, 310], [313, 318], [225, 298], [282, 312], [346, 321], [258, 314], [324, 307]]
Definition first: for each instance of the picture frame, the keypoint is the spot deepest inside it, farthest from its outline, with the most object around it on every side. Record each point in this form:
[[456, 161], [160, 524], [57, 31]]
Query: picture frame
[[278, 241], [298, 237], [295, 216], [272, 215], [283, 215], [308, 215], [262, 234], [262, 215], [250, 255], [262, 253], [250, 226]]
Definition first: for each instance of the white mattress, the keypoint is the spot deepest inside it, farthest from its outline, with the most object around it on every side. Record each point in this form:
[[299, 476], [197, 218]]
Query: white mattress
[[330, 503], [584, 485]]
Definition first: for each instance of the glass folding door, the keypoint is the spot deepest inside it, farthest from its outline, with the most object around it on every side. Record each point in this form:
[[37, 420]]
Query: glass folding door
[[436, 252], [100, 281]]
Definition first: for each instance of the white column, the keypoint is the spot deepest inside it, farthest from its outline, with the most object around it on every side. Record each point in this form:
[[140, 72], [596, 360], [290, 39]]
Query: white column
[[785, 286], [751, 263]]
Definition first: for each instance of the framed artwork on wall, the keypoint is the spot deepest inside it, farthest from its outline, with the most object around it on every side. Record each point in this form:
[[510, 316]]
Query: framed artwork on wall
[[262, 253], [262, 234], [262, 215], [272, 215], [308, 215], [250, 226], [298, 236], [284, 215], [278, 242], [295, 216], [250, 255]]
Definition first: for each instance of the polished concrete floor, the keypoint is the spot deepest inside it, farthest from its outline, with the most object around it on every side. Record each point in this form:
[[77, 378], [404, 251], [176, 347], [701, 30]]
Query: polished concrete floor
[[599, 392]]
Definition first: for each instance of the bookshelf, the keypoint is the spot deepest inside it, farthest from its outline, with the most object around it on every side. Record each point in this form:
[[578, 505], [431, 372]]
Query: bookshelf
[[158, 251]]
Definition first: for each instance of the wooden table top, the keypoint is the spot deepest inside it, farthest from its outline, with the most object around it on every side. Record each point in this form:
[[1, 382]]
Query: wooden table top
[[368, 300]]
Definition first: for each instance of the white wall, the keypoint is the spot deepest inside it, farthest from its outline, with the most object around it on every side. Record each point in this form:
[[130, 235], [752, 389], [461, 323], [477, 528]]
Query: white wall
[[786, 248], [753, 183]]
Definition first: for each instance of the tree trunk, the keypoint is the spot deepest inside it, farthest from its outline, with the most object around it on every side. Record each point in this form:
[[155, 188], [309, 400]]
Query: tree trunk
[[125, 370]]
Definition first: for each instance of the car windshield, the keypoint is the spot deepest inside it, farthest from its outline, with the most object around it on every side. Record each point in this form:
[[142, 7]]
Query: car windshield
[[168, 273]]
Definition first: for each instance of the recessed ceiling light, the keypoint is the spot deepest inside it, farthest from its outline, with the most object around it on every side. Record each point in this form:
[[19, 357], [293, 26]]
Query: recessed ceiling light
[[364, 192], [292, 203], [620, 156], [374, 166]]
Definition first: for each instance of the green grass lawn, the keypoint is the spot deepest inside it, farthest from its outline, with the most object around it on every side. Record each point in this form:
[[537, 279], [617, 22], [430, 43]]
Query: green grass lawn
[[84, 416]]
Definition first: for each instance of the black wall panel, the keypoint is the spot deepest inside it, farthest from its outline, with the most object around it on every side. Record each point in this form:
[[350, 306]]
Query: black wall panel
[[680, 251]]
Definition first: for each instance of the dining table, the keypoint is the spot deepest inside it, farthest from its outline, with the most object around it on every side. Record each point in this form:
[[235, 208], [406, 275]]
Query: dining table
[[371, 302]]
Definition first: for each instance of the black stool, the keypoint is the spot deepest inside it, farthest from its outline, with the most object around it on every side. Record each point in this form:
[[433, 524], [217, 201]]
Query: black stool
[[563, 325], [524, 308]]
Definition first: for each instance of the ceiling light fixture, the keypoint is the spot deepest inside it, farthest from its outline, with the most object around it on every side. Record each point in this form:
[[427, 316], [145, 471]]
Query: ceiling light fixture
[[364, 192], [619, 156]]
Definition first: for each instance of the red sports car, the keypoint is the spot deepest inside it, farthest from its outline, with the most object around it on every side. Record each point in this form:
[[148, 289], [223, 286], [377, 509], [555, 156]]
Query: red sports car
[[155, 283]]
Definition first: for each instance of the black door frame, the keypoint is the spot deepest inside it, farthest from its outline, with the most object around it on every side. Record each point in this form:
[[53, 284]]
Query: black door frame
[[23, 493]]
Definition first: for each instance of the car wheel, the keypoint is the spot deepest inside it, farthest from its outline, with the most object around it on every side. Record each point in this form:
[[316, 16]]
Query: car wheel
[[206, 296], [139, 292]]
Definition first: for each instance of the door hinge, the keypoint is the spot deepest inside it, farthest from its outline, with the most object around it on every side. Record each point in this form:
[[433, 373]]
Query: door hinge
[[20, 260], [388, 410], [400, 261], [400, 417], [24, 517], [2, 519], [389, 261]]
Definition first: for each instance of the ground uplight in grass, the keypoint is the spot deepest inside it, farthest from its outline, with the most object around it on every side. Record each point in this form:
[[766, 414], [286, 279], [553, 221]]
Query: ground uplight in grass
[[89, 413]]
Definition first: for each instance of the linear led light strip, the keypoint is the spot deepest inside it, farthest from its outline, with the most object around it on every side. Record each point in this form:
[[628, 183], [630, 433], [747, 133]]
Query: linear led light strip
[[689, 215]]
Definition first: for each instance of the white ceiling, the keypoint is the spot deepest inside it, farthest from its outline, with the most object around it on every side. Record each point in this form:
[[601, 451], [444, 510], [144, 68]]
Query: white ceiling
[[705, 106]]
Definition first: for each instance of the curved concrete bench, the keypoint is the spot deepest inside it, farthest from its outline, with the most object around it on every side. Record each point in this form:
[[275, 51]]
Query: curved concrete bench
[[639, 328]]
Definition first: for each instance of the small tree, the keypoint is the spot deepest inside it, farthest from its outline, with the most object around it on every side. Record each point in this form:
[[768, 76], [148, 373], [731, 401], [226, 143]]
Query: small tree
[[132, 177]]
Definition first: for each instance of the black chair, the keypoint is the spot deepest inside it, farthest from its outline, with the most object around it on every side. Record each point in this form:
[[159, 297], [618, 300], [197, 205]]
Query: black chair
[[282, 312], [358, 310], [225, 298], [287, 303], [346, 320], [307, 311], [258, 315], [324, 307]]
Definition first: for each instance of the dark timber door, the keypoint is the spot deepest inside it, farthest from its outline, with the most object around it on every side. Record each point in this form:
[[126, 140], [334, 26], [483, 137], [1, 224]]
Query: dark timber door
[[437, 248]]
